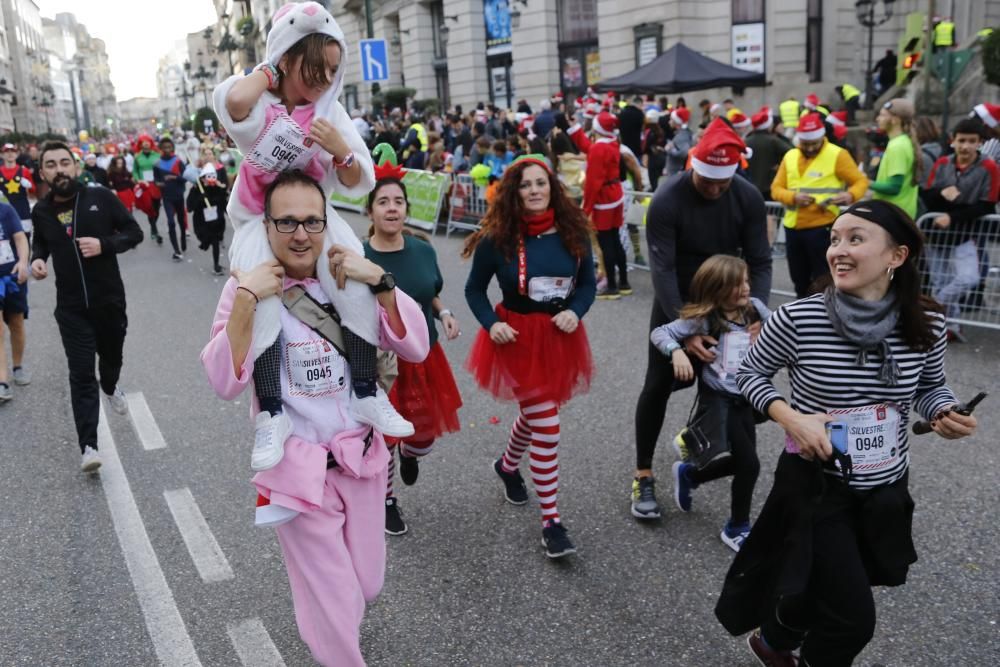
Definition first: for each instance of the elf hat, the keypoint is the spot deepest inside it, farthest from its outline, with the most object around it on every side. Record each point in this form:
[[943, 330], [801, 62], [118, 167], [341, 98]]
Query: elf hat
[[989, 113], [718, 154], [810, 128], [762, 120], [681, 116], [605, 124]]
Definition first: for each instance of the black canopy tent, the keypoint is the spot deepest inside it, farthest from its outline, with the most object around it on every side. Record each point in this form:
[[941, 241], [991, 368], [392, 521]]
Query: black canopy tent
[[680, 69]]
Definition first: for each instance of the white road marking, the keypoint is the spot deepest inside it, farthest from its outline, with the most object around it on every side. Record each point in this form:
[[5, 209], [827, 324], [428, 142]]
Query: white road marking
[[166, 627], [205, 551], [143, 421], [253, 645]]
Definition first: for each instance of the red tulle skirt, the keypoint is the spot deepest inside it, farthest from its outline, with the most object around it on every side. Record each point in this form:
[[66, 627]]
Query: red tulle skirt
[[426, 395], [128, 198], [542, 361]]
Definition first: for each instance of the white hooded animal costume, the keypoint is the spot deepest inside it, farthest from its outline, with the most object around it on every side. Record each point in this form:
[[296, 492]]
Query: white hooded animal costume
[[272, 140]]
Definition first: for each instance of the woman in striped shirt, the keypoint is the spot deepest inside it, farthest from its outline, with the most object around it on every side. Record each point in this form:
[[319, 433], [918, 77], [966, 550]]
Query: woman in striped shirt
[[860, 356]]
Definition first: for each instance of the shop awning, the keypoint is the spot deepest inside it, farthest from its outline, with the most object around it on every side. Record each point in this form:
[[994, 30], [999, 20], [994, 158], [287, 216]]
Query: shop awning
[[679, 70]]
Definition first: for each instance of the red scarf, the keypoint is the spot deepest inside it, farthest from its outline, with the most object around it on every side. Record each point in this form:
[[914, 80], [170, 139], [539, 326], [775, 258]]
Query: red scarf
[[539, 223]]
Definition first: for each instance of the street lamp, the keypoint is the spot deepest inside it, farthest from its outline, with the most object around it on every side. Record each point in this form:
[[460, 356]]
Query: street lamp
[[865, 12]]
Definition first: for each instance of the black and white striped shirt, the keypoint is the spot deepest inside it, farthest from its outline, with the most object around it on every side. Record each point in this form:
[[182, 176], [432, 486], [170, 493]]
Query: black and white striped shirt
[[824, 374]]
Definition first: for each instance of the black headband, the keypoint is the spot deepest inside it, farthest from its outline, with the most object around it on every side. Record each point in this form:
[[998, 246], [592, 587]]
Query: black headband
[[892, 219]]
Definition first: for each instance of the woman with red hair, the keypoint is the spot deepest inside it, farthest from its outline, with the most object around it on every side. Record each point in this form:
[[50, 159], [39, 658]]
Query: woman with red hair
[[532, 347]]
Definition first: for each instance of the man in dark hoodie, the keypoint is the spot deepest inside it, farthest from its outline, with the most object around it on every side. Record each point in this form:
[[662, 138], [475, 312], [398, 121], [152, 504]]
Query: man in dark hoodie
[[168, 174], [83, 230]]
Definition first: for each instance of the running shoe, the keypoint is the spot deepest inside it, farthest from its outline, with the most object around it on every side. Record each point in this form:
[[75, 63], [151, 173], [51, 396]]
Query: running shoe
[[270, 433], [682, 486], [639, 259], [159, 240], [21, 376], [409, 468], [608, 294], [91, 460], [394, 524], [118, 402], [734, 536], [625, 289], [514, 489], [644, 505], [177, 257], [377, 411], [767, 656], [6, 393], [556, 541], [680, 446], [217, 270]]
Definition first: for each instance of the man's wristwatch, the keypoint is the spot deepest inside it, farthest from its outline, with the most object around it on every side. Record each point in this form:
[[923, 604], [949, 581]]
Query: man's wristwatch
[[346, 163], [386, 283]]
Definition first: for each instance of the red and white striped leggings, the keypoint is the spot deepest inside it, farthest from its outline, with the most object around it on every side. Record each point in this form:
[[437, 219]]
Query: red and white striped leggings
[[408, 448], [537, 429]]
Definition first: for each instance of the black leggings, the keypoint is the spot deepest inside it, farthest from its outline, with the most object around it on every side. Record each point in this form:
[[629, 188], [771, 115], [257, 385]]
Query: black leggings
[[742, 463], [835, 619], [614, 258], [652, 404]]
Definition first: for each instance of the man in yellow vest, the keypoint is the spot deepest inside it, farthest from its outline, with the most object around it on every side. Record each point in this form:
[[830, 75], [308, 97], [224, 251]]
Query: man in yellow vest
[[414, 145], [813, 181], [789, 112], [944, 35], [852, 100]]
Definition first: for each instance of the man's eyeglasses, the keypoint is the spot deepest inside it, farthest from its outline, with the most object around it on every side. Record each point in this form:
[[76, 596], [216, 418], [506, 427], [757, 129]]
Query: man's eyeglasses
[[288, 226]]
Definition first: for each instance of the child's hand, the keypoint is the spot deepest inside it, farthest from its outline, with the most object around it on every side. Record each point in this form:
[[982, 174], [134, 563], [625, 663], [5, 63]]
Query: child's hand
[[683, 370], [327, 136]]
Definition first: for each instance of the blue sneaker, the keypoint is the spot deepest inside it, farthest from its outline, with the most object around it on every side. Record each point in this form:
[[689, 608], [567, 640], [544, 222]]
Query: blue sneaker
[[734, 536], [682, 486]]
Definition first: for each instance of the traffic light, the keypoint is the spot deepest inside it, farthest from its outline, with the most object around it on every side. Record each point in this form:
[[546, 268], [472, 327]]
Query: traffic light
[[911, 48]]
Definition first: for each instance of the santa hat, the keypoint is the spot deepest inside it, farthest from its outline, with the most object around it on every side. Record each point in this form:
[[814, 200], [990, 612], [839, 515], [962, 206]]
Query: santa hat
[[837, 119], [593, 109], [526, 124], [715, 108], [717, 155], [739, 121], [812, 101], [989, 113], [810, 128], [605, 124], [681, 116], [762, 120], [557, 96]]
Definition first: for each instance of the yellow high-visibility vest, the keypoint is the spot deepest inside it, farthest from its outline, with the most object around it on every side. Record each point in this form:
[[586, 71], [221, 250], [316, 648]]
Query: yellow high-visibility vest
[[789, 111], [820, 179], [850, 92], [421, 136], [944, 34], [820, 109]]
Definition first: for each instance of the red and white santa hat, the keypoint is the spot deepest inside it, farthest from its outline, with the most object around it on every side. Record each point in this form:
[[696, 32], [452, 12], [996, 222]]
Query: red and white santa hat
[[837, 118], [810, 128], [812, 101], [593, 109], [557, 97], [606, 124], [989, 113], [681, 116], [762, 120], [717, 155], [740, 122]]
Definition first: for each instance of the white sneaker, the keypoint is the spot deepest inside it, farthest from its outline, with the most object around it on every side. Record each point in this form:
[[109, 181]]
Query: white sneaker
[[270, 434], [118, 402], [22, 377], [91, 460], [378, 412]]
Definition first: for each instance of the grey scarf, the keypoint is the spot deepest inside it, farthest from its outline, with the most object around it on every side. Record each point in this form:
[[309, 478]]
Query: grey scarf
[[867, 324]]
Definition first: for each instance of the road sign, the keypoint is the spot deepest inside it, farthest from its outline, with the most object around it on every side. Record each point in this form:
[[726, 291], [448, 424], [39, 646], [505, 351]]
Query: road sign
[[374, 60]]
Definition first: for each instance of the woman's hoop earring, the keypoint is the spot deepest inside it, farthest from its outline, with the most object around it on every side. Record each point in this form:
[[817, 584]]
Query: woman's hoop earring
[[891, 272]]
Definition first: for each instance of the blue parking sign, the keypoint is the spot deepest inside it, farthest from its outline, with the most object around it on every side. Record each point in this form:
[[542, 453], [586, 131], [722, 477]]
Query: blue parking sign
[[374, 60]]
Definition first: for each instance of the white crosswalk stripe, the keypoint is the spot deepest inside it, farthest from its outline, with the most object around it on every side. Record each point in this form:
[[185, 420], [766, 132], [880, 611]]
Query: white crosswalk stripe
[[143, 421], [198, 538], [253, 645]]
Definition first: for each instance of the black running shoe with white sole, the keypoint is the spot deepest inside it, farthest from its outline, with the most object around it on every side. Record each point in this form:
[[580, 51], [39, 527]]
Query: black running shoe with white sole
[[514, 490], [556, 541], [394, 524]]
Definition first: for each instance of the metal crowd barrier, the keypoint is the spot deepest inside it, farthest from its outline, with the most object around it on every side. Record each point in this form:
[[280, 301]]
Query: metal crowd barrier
[[966, 274], [466, 204], [775, 214]]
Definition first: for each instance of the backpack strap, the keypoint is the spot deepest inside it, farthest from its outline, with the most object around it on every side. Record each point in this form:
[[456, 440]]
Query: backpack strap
[[316, 316]]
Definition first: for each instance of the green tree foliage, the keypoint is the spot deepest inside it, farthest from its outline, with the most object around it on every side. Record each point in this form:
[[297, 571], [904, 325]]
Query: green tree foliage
[[991, 57]]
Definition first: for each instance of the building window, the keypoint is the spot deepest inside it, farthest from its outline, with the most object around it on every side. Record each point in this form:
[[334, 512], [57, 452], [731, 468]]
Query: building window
[[351, 98], [577, 20], [814, 40], [441, 83], [437, 21], [748, 11], [648, 42]]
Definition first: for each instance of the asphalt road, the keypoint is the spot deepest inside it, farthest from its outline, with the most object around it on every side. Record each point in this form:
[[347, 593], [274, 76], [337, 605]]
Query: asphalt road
[[97, 571]]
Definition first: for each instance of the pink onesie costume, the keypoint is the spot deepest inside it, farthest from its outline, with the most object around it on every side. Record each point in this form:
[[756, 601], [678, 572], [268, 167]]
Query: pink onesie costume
[[334, 550]]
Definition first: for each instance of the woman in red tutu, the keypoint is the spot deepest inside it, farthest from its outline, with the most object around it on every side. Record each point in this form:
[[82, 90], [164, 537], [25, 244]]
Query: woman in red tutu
[[120, 180], [532, 347], [425, 393]]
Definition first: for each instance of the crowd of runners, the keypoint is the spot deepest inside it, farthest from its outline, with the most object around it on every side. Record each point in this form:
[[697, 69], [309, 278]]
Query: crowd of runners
[[338, 337]]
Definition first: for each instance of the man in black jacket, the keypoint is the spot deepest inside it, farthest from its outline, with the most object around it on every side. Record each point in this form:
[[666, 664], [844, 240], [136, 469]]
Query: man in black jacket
[[705, 211], [83, 230]]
